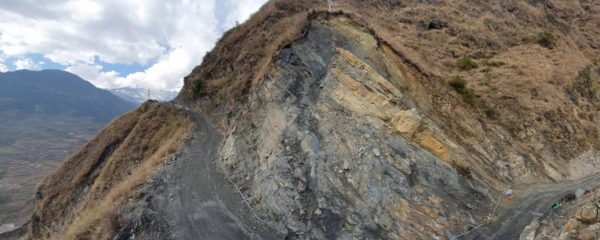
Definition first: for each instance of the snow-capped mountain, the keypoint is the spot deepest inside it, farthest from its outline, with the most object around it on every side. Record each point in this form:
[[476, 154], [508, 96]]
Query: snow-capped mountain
[[140, 95]]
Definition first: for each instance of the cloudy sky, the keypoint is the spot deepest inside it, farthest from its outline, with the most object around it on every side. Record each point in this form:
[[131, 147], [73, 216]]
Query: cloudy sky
[[116, 43]]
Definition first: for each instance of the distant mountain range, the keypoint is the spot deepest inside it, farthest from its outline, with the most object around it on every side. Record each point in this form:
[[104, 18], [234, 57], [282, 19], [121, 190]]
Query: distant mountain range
[[55, 92], [140, 95]]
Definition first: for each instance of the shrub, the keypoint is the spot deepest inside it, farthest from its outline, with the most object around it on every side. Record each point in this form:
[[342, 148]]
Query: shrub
[[144, 107], [34, 218], [546, 39], [490, 112], [199, 88], [469, 96], [466, 63], [460, 85]]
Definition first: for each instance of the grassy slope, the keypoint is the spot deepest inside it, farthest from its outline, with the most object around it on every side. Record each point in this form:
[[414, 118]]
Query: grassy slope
[[87, 189]]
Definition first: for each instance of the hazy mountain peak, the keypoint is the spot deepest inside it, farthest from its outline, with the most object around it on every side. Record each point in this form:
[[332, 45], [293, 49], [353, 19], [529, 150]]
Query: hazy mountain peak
[[140, 95]]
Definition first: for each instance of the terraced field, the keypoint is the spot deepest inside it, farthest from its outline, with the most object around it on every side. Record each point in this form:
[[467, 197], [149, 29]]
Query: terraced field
[[30, 150]]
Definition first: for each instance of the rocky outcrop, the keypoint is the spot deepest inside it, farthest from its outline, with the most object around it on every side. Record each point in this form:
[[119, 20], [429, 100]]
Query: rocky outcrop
[[576, 219], [351, 127], [321, 151], [339, 137]]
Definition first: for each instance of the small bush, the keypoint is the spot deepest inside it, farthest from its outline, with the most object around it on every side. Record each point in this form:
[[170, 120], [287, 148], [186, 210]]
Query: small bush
[[460, 85], [466, 63], [546, 39], [490, 112], [144, 107], [34, 218], [199, 88], [469, 96]]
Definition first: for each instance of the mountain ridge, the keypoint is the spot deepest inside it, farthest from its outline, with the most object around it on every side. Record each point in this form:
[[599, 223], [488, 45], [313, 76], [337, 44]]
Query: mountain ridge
[[44, 92]]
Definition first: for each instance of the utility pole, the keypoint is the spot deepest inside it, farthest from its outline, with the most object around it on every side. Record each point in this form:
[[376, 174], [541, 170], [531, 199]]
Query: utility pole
[[148, 94]]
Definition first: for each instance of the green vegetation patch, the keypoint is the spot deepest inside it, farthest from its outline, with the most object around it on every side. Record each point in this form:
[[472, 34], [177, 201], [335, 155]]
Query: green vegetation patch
[[144, 107], [466, 63], [199, 90], [546, 39], [490, 112], [35, 217], [459, 84]]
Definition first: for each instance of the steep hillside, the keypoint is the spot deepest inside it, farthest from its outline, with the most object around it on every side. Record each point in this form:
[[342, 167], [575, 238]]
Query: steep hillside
[[536, 78], [449, 102], [382, 120], [91, 195]]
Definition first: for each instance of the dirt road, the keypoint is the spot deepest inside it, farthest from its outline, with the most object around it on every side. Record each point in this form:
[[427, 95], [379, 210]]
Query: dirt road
[[534, 202], [206, 206]]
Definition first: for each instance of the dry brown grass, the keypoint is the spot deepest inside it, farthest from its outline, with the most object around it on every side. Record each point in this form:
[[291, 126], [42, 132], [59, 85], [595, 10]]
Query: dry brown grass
[[240, 59], [87, 189], [242, 56]]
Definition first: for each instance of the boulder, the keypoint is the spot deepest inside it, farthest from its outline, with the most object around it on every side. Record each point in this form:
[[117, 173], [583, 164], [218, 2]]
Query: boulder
[[586, 235], [571, 225], [588, 213], [529, 231], [579, 193], [377, 152], [590, 233]]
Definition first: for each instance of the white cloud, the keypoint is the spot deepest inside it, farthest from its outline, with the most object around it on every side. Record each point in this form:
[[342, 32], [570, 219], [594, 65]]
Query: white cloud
[[25, 63], [3, 68], [94, 74], [172, 35], [84, 10]]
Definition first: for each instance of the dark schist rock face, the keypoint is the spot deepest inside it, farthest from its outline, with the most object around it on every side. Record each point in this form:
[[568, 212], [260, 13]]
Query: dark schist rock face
[[325, 168]]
